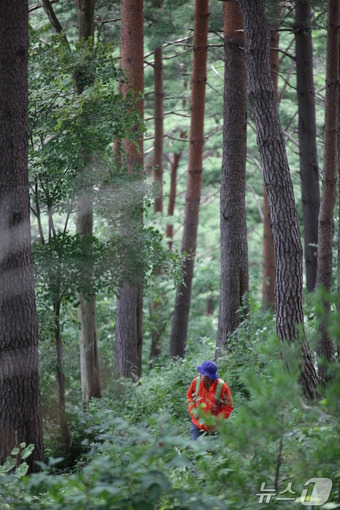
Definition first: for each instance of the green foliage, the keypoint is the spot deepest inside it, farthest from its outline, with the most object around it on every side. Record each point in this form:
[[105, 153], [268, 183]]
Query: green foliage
[[135, 447], [131, 448]]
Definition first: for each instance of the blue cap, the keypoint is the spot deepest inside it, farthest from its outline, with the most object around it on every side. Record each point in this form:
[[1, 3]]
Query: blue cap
[[208, 368]]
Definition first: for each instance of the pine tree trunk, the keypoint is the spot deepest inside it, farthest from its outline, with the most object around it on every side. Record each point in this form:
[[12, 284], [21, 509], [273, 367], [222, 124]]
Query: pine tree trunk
[[309, 170], [338, 306], [129, 335], [234, 246], [194, 178], [279, 186], [20, 410], [268, 285], [88, 342], [325, 347]]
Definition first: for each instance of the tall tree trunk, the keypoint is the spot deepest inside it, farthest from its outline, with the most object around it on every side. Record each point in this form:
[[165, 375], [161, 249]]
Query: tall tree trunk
[[129, 335], [234, 246], [279, 186], [268, 284], [174, 164], [338, 307], [309, 170], [158, 109], [20, 415], [65, 434], [325, 347], [194, 179], [158, 176], [89, 357], [176, 158]]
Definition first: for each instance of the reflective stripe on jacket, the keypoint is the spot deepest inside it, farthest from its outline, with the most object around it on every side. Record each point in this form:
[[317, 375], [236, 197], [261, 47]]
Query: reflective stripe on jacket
[[206, 399]]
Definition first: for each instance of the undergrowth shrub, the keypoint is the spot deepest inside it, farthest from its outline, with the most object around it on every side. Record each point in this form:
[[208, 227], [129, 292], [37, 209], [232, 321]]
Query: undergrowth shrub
[[134, 446]]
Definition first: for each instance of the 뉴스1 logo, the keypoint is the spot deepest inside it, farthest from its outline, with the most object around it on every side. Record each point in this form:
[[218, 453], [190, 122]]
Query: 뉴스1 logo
[[315, 492], [320, 493]]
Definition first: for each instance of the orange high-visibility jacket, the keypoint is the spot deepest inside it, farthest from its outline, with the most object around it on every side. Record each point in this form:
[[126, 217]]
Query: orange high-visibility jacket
[[207, 398]]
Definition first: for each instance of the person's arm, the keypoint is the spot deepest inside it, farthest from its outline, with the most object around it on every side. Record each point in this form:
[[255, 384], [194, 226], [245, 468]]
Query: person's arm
[[190, 392], [227, 401]]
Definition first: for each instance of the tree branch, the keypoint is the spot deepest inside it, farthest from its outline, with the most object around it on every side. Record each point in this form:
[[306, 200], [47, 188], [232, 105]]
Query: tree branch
[[286, 82], [38, 6], [47, 6]]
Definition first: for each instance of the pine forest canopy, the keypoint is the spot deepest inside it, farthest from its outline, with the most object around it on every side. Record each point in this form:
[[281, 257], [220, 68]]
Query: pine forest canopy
[[177, 156]]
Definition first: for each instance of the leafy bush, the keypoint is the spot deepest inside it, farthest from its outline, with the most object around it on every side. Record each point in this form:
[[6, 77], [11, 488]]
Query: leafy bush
[[135, 451]]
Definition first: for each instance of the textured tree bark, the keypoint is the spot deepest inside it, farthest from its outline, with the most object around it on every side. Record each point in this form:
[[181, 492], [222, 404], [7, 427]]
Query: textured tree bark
[[128, 347], [309, 170], [89, 357], [325, 347], [279, 187], [20, 410], [338, 307], [234, 246], [194, 178], [268, 285], [129, 336]]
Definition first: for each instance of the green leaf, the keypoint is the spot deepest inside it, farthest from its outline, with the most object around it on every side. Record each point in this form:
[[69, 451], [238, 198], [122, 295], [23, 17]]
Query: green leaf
[[27, 451], [8, 466], [21, 470]]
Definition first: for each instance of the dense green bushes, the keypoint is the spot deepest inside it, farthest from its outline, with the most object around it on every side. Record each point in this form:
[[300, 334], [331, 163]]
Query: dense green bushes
[[132, 448]]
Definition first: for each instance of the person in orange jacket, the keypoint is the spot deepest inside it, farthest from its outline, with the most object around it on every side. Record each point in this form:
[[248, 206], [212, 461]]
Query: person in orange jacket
[[211, 394]]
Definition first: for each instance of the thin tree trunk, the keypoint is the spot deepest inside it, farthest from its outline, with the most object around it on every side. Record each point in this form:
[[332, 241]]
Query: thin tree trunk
[[234, 246], [20, 410], [338, 276], [279, 186], [158, 108], [88, 341], [194, 178], [325, 347], [268, 285], [309, 170], [158, 177], [129, 334], [65, 434], [48, 9], [209, 306], [176, 158]]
